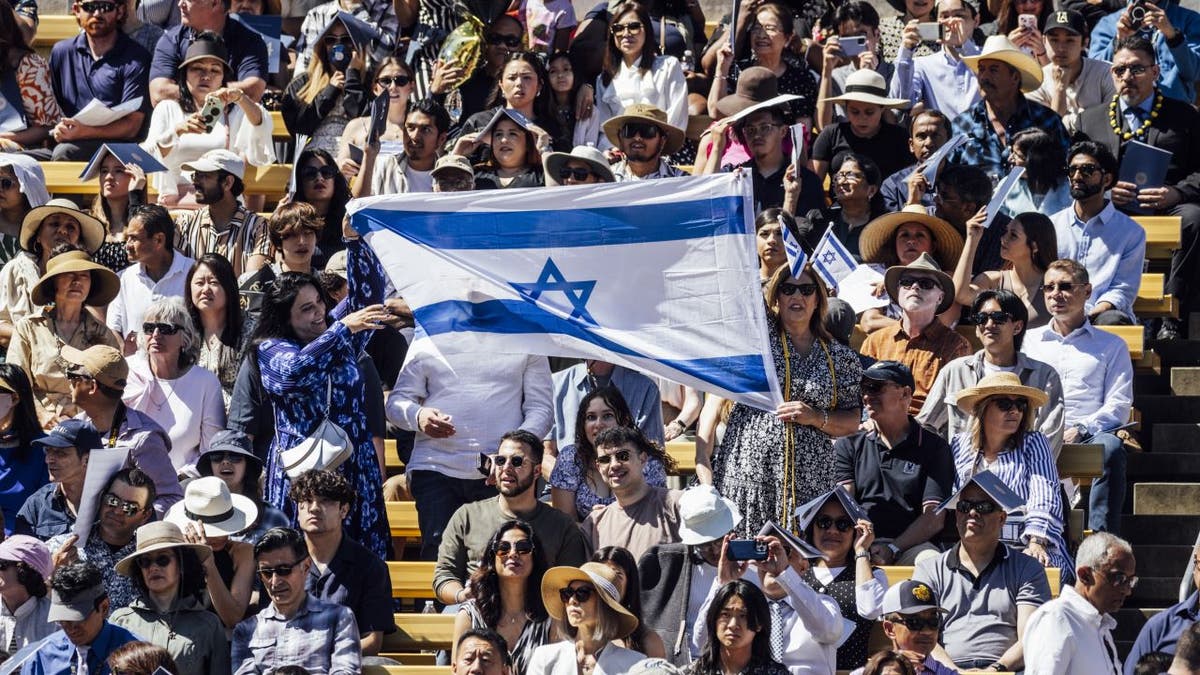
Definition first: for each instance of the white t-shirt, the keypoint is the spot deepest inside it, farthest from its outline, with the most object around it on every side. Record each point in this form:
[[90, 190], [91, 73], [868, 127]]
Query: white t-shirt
[[190, 408]]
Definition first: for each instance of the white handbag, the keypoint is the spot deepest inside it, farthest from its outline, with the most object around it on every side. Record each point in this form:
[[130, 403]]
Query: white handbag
[[327, 447]]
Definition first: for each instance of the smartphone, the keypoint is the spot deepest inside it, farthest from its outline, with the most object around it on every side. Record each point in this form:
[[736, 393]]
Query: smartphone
[[853, 45], [485, 460], [930, 31], [210, 113], [1028, 21], [339, 57], [746, 549], [356, 155]]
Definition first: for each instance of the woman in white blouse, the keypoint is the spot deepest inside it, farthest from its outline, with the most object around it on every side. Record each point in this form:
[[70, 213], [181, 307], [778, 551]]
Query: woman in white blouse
[[633, 73], [179, 133]]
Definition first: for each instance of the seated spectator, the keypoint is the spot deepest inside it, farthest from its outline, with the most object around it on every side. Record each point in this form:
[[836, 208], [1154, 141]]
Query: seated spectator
[[79, 604], [166, 384], [564, 87], [1000, 438], [853, 183], [326, 94], [231, 458], [22, 189], [961, 191], [121, 187], [762, 133], [141, 658], [1165, 631], [505, 594], [1187, 656], [223, 224], [1097, 379], [641, 516], [293, 231], [515, 158], [24, 599], [1174, 33], [1028, 245], [100, 64], [1073, 632], [645, 138], [395, 77], [765, 32], [21, 468], [1027, 38], [213, 303], [940, 80], [912, 620], [587, 606], [1000, 320], [453, 173], [1043, 187], [583, 165], [576, 486], [898, 471], [987, 589], [521, 89], [481, 651], [375, 31], [124, 504], [247, 60], [628, 583], [156, 270], [424, 131], [1071, 82], [865, 131], [179, 133], [928, 132], [738, 627], [919, 340], [328, 194], [31, 110], [296, 628], [515, 469], [50, 510], [1090, 230], [468, 93], [853, 20], [891, 29], [344, 572], [72, 284], [167, 572]]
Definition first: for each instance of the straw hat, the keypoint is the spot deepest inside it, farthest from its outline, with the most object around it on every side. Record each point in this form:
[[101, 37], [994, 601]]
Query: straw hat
[[158, 536], [209, 501], [867, 86], [1000, 48], [644, 112], [601, 577], [91, 230], [554, 161], [925, 263], [999, 384], [105, 283], [948, 243]]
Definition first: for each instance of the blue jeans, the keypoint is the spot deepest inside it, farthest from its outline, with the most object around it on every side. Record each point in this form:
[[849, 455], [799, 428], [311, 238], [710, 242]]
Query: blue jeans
[[438, 496], [1108, 491]]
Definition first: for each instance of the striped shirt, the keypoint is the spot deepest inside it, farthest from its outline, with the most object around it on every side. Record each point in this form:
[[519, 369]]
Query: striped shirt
[[245, 237]]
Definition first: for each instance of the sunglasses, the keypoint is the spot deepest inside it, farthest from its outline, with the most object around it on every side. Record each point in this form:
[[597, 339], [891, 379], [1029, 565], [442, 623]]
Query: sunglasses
[[163, 328], [998, 318], [633, 27], [523, 547], [1085, 170], [331, 40], [517, 461], [925, 283], [1064, 286], [399, 81], [7, 183], [510, 41], [576, 173], [983, 508], [645, 130], [231, 457], [872, 386], [146, 562], [916, 624], [621, 456], [581, 594], [311, 172], [77, 377], [1120, 580], [1007, 404], [1134, 70], [128, 508], [806, 290], [762, 129], [842, 524], [98, 7], [279, 570]]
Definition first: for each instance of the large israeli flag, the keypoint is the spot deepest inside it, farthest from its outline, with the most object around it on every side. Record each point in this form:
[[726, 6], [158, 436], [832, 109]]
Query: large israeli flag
[[656, 275]]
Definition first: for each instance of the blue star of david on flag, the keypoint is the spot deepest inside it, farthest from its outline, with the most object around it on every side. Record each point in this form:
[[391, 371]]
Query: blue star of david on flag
[[551, 280]]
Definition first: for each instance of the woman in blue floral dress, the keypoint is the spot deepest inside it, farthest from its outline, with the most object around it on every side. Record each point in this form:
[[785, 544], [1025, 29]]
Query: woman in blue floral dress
[[299, 351]]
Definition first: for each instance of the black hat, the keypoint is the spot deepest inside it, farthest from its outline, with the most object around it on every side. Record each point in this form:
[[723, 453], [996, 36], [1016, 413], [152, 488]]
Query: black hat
[[72, 433], [1067, 19], [204, 48], [910, 597], [890, 371], [234, 442]]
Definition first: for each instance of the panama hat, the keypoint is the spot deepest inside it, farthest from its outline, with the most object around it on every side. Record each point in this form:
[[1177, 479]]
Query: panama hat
[[555, 161], [105, 283], [948, 243], [644, 112], [91, 230], [999, 384], [867, 86], [158, 536], [1000, 48], [601, 577], [925, 263], [209, 501]]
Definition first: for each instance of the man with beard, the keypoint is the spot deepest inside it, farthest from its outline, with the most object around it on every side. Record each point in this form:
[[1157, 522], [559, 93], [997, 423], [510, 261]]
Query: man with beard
[[930, 130], [223, 225], [102, 64], [1105, 241], [919, 340], [515, 468], [1141, 112], [425, 127], [642, 133]]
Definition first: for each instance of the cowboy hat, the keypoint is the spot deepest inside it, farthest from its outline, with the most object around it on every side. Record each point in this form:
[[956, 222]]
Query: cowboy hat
[[158, 536], [999, 384], [602, 578], [1000, 48], [867, 86], [105, 283], [924, 263], [644, 112], [91, 230], [209, 501], [947, 241], [555, 161]]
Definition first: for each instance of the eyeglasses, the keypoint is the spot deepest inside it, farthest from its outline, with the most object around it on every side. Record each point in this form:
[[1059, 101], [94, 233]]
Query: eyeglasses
[[398, 80], [789, 289], [576, 173], [517, 461], [279, 570], [925, 283], [760, 130], [842, 524], [128, 508], [581, 594], [1007, 404], [1064, 286], [769, 29], [146, 562], [852, 176], [331, 40], [998, 318], [231, 457], [983, 508], [311, 172], [1119, 579], [621, 456], [163, 328], [1135, 70], [523, 547], [916, 624], [7, 183], [633, 28], [645, 130], [98, 7], [1085, 170], [510, 41]]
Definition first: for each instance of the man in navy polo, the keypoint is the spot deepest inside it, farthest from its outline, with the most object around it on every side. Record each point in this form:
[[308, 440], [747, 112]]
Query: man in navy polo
[[247, 51], [100, 63]]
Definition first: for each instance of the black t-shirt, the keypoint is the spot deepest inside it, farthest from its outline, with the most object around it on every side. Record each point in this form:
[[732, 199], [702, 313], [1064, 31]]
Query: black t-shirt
[[889, 147]]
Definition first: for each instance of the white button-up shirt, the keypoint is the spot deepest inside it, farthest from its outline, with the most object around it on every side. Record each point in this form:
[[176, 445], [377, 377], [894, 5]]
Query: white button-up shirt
[[1111, 246], [1069, 635], [938, 80], [138, 290], [1096, 373]]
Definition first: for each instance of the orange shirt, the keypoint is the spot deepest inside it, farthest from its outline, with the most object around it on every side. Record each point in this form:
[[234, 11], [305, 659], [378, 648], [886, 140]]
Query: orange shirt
[[924, 355]]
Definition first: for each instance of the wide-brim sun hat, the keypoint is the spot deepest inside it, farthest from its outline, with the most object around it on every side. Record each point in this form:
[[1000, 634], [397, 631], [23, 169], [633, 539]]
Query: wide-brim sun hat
[[200, 50], [208, 501], [705, 516], [91, 230], [948, 243], [924, 263], [591, 156], [1000, 48], [867, 86], [999, 384], [644, 112], [105, 283], [756, 86], [602, 578], [159, 536]]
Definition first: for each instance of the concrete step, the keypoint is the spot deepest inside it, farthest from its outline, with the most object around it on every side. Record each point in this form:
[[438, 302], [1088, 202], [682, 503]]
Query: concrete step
[[1159, 530], [1154, 592], [1166, 499], [1164, 467], [1167, 409], [1185, 381], [1162, 561], [1175, 438], [1178, 353]]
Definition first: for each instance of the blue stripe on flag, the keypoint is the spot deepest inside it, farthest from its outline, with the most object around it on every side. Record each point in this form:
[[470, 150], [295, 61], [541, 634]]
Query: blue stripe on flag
[[630, 224], [739, 373]]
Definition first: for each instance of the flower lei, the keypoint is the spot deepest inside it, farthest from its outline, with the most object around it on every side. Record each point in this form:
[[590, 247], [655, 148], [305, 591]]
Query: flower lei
[[1115, 122]]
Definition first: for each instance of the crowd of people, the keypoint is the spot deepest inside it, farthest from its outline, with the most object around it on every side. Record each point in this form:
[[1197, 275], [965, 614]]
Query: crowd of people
[[181, 355]]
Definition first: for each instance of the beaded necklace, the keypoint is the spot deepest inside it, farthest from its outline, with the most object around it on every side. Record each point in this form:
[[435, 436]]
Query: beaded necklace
[[1115, 122]]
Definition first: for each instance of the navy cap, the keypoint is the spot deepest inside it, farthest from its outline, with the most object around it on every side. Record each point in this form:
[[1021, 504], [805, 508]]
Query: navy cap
[[1067, 19], [72, 434], [910, 597], [890, 371]]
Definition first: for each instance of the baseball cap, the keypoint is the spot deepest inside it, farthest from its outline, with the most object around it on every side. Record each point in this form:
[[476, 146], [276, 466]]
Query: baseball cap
[[337, 263], [78, 608], [72, 433], [29, 550], [102, 363], [218, 160], [452, 162], [1067, 19], [910, 597], [890, 371]]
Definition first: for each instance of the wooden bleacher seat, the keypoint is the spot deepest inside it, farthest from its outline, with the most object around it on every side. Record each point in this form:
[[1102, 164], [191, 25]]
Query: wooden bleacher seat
[[1151, 302], [420, 632], [1162, 235], [402, 517], [54, 28], [62, 178], [411, 580]]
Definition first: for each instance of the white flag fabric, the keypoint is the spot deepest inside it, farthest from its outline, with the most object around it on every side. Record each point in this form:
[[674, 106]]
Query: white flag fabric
[[796, 257], [832, 260], [660, 276]]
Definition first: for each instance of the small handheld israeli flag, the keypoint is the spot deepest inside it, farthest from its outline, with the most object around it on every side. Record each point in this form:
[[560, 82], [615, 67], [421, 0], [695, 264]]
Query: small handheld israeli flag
[[796, 256], [832, 260]]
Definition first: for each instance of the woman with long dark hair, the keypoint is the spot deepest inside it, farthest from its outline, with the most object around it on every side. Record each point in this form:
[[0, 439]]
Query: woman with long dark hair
[[1028, 246], [213, 302], [514, 157], [524, 87], [1044, 187], [21, 470], [30, 98], [320, 101], [505, 596], [321, 185], [563, 86], [122, 186], [642, 639], [738, 625]]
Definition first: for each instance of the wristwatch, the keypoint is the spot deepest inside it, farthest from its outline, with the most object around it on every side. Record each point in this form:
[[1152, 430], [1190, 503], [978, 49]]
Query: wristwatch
[[1040, 541]]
